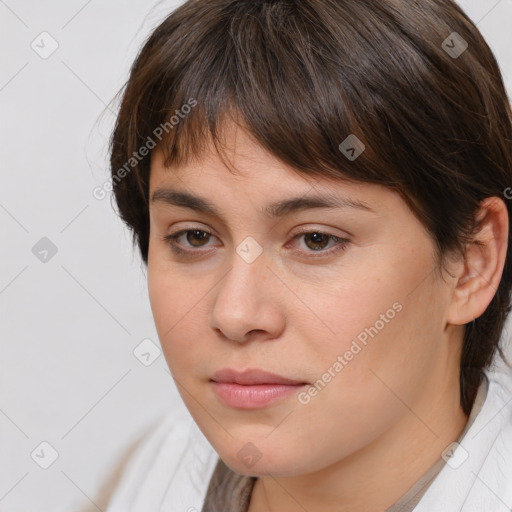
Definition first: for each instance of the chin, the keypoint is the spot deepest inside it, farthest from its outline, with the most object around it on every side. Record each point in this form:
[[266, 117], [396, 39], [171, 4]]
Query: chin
[[262, 468], [262, 459]]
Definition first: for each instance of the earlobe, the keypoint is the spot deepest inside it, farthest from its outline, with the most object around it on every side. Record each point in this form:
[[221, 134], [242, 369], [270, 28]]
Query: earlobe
[[483, 263]]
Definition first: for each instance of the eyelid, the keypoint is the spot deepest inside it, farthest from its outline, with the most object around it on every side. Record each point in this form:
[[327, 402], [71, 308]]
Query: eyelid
[[324, 230]]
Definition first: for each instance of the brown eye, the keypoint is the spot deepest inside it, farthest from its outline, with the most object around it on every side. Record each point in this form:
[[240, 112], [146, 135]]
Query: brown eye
[[316, 241], [315, 244], [196, 236], [185, 241]]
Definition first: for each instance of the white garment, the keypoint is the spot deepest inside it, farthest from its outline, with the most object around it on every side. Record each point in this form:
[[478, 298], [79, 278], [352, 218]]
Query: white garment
[[171, 469]]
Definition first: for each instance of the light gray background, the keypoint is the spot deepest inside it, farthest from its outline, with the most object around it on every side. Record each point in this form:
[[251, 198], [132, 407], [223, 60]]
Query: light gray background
[[69, 325]]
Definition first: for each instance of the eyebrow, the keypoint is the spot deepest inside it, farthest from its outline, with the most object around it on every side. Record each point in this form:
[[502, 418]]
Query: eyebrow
[[273, 210]]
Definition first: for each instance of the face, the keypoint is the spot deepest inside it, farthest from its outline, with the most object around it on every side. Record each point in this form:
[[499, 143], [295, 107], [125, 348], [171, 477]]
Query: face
[[296, 329]]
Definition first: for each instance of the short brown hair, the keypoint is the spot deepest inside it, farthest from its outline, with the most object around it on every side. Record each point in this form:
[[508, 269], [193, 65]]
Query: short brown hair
[[301, 76]]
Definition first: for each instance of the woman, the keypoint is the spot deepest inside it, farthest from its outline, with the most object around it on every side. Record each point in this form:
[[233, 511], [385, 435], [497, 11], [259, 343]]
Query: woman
[[317, 189]]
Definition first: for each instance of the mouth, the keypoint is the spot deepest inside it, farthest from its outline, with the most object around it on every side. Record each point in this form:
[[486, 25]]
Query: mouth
[[253, 388]]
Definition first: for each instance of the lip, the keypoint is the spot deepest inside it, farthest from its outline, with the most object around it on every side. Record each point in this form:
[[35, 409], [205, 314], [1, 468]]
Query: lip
[[252, 377], [252, 388]]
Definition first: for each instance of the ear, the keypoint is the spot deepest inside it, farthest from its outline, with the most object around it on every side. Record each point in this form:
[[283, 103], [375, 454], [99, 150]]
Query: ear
[[480, 272]]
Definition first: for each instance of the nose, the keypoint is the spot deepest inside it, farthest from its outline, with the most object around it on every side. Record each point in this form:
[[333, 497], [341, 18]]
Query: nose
[[248, 302]]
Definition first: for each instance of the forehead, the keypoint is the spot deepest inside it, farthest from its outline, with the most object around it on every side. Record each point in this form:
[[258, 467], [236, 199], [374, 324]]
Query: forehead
[[236, 154], [242, 170], [239, 161]]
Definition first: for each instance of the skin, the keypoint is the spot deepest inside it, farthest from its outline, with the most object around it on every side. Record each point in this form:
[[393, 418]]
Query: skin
[[387, 416]]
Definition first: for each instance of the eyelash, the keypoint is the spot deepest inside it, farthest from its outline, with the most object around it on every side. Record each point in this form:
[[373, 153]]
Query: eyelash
[[341, 243]]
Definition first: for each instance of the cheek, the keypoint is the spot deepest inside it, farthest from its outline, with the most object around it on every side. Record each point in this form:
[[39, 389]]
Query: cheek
[[388, 348], [385, 321], [370, 362], [179, 314], [354, 310]]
